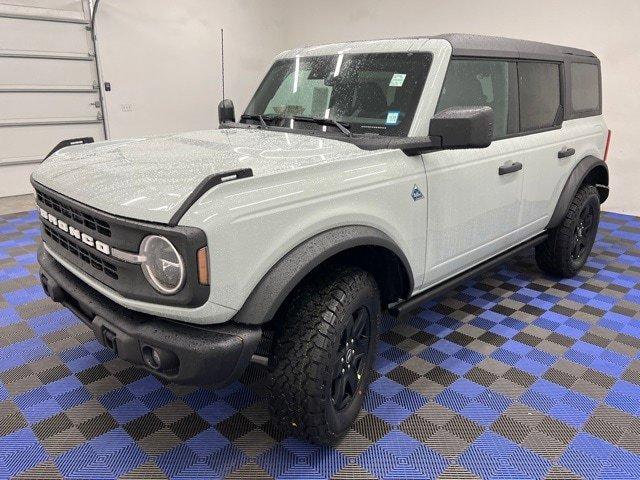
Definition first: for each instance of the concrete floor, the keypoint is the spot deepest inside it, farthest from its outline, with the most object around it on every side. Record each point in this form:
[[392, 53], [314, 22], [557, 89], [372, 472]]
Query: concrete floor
[[17, 203]]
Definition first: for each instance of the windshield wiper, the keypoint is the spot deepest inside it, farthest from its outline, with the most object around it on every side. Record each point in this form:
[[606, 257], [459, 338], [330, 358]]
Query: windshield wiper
[[343, 127], [252, 116]]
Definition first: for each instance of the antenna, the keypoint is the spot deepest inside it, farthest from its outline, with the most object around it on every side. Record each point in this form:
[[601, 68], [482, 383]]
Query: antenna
[[226, 112], [222, 43]]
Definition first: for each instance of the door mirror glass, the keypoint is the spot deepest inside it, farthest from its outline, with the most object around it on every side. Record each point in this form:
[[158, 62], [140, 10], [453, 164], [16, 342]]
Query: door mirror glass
[[226, 111], [462, 127]]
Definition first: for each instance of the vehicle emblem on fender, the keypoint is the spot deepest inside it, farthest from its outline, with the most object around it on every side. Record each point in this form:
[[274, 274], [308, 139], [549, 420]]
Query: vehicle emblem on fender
[[416, 194]]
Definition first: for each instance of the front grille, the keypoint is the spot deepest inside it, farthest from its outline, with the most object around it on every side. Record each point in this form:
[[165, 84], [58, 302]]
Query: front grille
[[81, 253], [74, 214], [125, 234]]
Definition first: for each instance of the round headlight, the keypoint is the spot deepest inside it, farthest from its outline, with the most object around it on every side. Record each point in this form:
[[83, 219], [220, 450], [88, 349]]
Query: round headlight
[[162, 265]]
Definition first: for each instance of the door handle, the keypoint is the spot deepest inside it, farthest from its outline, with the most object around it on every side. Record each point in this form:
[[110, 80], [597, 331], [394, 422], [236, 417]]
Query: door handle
[[566, 152], [514, 167]]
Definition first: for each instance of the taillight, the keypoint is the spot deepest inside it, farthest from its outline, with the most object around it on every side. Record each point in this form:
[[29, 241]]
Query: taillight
[[606, 148]]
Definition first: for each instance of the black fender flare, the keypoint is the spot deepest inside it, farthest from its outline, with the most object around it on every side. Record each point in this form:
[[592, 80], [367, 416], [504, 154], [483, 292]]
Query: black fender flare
[[266, 298], [588, 166]]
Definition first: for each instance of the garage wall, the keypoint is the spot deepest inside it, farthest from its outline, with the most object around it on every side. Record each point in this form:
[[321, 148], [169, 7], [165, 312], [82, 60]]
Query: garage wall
[[610, 29], [162, 59], [48, 84]]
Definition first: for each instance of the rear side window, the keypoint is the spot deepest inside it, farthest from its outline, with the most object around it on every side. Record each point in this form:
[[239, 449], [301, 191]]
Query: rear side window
[[585, 87], [474, 83], [539, 89]]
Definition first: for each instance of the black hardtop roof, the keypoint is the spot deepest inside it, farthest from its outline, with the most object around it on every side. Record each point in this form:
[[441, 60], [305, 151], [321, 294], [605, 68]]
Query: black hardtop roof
[[472, 45], [465, 44]]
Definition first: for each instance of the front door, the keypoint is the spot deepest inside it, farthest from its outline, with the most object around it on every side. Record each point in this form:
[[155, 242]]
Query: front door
[[473, 209], [474, 196]]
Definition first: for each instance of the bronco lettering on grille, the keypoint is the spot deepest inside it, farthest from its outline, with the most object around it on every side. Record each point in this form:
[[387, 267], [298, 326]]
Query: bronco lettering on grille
[[75, 233]]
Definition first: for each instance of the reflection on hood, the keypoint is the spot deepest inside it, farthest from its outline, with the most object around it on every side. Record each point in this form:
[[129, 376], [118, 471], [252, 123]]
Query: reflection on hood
[[149, 178]]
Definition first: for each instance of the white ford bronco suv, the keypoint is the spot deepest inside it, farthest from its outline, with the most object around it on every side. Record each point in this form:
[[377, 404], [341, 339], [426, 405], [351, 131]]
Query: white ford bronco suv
[[363, 177]]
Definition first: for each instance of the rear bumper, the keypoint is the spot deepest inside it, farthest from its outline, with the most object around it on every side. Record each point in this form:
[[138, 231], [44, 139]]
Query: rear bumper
[[188, 354]]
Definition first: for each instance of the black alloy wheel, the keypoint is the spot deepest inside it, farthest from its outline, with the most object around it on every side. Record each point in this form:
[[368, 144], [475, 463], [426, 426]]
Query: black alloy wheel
[[354, 347], [568, 245], [582, 233]]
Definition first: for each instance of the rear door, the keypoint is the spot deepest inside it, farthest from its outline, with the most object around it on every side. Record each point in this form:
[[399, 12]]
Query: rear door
[[552, 147], [543, 137], [474, 196], [48, 84]]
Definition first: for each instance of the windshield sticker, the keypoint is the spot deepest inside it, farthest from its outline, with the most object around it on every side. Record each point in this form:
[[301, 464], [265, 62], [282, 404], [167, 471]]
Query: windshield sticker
[[397, 80], [392, 118]]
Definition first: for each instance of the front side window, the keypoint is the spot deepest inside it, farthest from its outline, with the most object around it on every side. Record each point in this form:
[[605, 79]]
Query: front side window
[[370, 93], [479, 83], [585, 87], [539, 88]]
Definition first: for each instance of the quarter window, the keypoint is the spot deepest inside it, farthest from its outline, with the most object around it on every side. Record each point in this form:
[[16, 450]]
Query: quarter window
[[539, 90], [585, 87], [477, 83]]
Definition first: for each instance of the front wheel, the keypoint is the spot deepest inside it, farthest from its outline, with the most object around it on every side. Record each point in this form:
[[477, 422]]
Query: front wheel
[[323, 352], [566, 250]]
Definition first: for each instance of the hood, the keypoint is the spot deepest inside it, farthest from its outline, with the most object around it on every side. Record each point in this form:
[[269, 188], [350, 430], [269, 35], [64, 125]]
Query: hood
[[149, 178]]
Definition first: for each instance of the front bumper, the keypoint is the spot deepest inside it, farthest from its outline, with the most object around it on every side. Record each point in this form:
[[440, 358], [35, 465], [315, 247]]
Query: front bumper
[[188, 354]]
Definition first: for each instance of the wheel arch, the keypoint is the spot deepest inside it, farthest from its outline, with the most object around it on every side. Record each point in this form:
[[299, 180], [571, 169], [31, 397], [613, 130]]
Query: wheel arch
[[358, 245], [589, 171]]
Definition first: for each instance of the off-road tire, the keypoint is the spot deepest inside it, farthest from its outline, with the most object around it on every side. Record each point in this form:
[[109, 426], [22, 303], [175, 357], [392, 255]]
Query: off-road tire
[[556, 254], [306, 352]]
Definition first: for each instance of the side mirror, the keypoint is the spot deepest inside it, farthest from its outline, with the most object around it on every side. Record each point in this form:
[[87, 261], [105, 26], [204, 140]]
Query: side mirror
[[463, 127], [226, 111]]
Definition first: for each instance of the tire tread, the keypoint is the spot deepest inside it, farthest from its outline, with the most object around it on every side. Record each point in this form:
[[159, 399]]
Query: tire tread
[[302, 351]]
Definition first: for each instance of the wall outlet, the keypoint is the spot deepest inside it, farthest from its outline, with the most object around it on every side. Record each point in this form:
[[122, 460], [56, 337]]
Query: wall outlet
[[126, 107]]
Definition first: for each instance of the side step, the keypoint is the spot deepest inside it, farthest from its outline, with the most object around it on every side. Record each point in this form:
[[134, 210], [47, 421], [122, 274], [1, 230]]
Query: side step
[[405, 307]]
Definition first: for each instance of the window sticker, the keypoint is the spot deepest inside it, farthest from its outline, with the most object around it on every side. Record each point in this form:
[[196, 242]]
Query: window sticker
[[392, 118], [397, 80]]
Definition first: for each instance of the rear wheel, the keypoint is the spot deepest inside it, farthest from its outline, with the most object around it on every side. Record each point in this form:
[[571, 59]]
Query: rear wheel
[[323, 352], [566, 250]]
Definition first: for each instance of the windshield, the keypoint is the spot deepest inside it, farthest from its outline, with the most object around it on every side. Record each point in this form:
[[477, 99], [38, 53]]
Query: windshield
[[369, 93]]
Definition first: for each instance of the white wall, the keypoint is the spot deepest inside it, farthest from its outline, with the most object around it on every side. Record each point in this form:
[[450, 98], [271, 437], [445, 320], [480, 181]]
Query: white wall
[[144, 43], [610, 29], [162, 59], [47, 78]]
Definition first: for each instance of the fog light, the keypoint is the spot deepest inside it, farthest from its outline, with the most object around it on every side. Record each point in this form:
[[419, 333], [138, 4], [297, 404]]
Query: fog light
[[155, 356], [158, 359], [151, 357]]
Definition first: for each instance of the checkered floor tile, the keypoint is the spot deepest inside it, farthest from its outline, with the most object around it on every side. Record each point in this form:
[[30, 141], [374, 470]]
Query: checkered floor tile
[[513, 375]]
